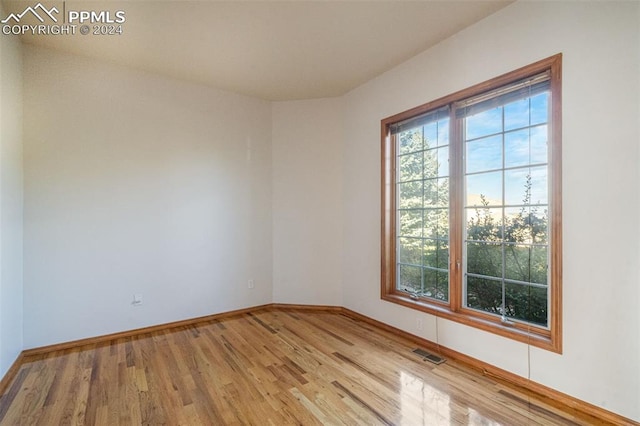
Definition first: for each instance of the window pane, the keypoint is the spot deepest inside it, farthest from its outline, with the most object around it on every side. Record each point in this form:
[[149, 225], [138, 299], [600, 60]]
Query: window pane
[[443, 132], [436, 192], [410, 223], [443, 223], [443, 161], [517, 226], [516, 114], [430, 164], [431, 192], [540, 108], [484, 154], [436, 284], [526, 225], [443, 286], [517, 188], [430, 282], [516, 146], [430, 257], [436, 223], [484, 224], [524, 147], [539, 138], [540, 265], [539, 220], [484, 294], [526, 303], [526, 186], [410, 167], [442, 259], [443, 192], [484, 259], [409, 278], [410, 141], [484, 123], [436, 253], [410, 250], [484, 186], [410, 195], [430, 135], [518, 262]]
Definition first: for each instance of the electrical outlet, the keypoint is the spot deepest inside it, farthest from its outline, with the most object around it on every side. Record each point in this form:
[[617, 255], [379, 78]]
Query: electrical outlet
[[250, 284], [419, 323], [137, 300]]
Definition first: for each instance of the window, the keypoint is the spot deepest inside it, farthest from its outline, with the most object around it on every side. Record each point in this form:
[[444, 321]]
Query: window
[[471, 206]]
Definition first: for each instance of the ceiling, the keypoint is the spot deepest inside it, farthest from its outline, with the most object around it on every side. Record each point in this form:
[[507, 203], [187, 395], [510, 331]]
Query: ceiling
[[270, 50]]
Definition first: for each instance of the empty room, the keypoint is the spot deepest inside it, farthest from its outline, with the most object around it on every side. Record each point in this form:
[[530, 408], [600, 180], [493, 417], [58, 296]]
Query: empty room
[[319, 212]]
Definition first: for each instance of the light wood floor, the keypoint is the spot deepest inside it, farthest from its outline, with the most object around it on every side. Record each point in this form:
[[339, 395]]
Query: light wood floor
[[272, 367]]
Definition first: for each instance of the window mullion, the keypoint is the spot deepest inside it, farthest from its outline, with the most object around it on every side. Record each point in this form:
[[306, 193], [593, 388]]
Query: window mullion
[[456, 232], [422, 271]]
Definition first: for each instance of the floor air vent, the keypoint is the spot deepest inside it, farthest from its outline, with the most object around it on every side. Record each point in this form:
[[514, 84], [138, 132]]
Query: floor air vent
[[428, 356]]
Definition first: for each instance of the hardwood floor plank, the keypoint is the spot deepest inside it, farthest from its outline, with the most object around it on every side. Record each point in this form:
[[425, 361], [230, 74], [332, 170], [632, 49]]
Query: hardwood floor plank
[[7, 400], [355, 398]]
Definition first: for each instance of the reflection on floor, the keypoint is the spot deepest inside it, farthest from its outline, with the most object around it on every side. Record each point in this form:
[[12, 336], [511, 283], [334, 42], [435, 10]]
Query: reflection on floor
[[271, 367]]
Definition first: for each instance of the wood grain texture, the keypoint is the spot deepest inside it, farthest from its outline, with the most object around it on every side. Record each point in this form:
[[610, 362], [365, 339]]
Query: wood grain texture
[[11, 373], [129, 333], [524, 385], [266, 367]]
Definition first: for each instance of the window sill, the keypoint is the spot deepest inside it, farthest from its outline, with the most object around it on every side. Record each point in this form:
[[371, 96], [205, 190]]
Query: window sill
[[519, 332]]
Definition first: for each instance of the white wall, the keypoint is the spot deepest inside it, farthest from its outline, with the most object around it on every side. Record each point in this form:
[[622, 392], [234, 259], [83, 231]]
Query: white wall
[[307, 195], [11, 193], [136, 183], [600, 43]]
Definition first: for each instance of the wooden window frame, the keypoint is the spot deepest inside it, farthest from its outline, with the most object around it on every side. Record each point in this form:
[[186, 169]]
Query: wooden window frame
[[549, 338]]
